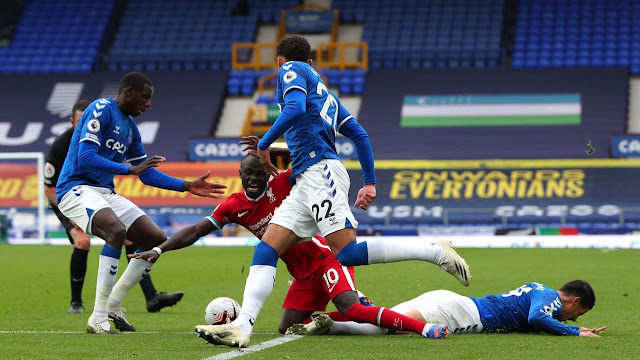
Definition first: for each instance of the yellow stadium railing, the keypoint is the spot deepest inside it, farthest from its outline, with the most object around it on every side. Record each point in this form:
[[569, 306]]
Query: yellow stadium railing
[[325, 56], [255, 61]]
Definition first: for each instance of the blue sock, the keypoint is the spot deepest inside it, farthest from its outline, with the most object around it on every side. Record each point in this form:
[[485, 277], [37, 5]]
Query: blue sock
[[265, 255], [354, 254], [110, 252]]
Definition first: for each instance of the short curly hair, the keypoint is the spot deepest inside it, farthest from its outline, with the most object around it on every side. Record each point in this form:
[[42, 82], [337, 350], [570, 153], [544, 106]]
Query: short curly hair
[[294, 48], [136, 80]]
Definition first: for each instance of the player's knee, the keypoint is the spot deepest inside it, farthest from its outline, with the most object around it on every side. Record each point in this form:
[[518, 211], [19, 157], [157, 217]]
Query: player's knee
[[81, 240], [354, 254], [116, 235], [282, 327]]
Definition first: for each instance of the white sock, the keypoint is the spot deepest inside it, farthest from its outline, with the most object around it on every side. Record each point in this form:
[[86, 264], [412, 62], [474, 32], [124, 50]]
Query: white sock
[[256, 291], [386, 251], [354, 328], [107, 272], [132, 275]]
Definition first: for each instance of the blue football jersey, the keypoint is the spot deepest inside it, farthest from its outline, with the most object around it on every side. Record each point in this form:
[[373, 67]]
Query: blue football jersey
[[116, 135], [313, 137], [531, 307]]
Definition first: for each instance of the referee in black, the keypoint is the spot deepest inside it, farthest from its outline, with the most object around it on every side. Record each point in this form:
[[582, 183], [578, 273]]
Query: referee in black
[[77, 237]]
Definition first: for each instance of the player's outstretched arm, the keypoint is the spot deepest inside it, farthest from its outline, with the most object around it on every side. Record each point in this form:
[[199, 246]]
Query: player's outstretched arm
[[201, 187], [183, 238]]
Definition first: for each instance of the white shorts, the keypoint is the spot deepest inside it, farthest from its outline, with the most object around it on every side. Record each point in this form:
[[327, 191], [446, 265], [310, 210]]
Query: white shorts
[[445, 307], [318, 202], [83, 201]]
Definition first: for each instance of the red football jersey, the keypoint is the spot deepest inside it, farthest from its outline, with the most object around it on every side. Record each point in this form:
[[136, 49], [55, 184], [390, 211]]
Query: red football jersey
[[303, 258]]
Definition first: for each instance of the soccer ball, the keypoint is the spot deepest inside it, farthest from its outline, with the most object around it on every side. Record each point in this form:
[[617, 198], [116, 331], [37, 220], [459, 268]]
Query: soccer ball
[[222, 310]]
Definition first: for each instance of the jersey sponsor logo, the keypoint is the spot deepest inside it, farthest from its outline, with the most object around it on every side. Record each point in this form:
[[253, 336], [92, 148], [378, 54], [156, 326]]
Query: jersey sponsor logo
[[242, 213], [265, 220], [93, 125], [289, 76], [49, 170], [116, 146]]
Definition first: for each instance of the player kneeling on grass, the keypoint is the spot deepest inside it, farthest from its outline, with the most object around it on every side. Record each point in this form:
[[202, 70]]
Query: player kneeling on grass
[[319, 275], [531, 307]]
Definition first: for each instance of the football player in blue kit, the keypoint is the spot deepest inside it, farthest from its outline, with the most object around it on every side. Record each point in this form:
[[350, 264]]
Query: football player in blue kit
[[311, 116], [531, 307], [106, 136]]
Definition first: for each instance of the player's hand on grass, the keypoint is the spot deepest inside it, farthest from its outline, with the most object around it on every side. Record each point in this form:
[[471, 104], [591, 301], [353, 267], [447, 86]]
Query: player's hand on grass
[[202, 187], [366, 195], [265, 159], [150, 255], [146, 165], [591, 332]]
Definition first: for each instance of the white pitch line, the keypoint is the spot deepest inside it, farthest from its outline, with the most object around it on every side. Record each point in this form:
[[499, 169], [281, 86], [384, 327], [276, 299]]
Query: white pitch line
[[256, 348], [125, 332]]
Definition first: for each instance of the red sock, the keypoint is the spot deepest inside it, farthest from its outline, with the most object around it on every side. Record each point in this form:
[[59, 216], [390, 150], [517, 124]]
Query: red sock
[[384, 317]]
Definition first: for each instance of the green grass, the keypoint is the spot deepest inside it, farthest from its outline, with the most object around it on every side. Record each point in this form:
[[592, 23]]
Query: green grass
[[34, 297]]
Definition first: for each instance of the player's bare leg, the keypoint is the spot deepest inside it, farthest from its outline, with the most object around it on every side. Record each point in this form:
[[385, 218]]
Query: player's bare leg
[[262, 275], [290, 317]]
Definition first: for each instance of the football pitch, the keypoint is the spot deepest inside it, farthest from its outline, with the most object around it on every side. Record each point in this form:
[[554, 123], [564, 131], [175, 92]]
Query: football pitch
[[34, 298]]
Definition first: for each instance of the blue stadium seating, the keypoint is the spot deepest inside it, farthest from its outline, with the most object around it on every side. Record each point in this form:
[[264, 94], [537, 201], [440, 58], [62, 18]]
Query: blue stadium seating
[[565, 33], [52, 36], [192, 35]]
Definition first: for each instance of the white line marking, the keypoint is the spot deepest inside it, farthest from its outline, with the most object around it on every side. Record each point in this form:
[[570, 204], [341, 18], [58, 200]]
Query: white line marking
[[256, 348], [125, 332]]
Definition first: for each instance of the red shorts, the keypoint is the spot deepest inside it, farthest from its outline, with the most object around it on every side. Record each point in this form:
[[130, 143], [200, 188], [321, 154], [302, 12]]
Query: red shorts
[[315, 292]]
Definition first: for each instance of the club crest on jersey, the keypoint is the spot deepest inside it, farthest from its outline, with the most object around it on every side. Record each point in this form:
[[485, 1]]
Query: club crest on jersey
[[289, 76], [272, 198], [93, 125]]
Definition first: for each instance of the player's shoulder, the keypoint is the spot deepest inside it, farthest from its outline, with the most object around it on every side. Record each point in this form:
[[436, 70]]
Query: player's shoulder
[[295, 66], [100, 109], [295, 69], [102, 104], [281, 181]]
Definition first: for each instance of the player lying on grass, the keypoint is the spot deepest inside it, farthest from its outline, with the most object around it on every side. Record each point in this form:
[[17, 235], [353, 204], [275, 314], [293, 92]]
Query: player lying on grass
[[319, 276], [531, 307]]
